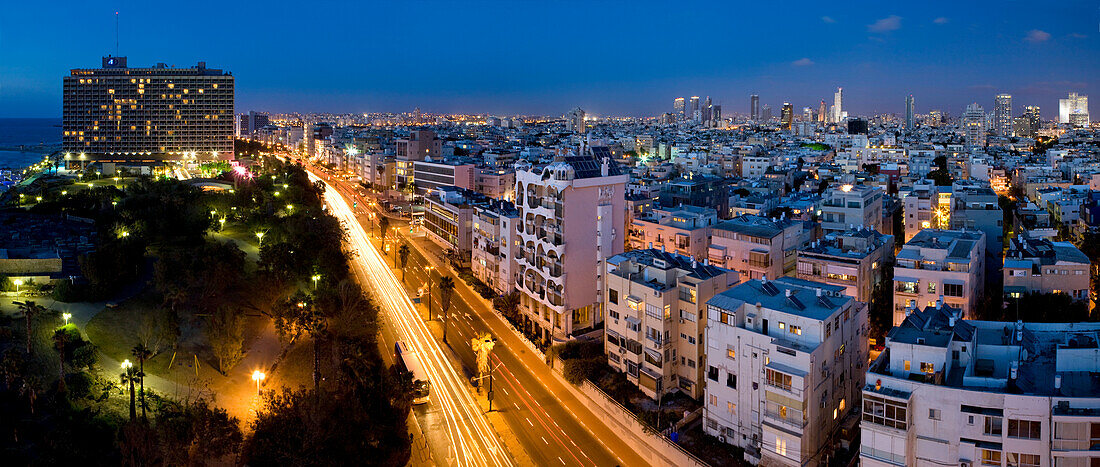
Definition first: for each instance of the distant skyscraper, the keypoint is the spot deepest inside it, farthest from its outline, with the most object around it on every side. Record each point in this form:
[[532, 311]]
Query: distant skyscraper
[[807, 114], [821, 112], [754, 107], [1074, 110], [909, 112], [973, 121], [678, 107], [706, 112], [156, 113], [786, 115], [715, 114], [574, 122], [694, 109], [1031, 113], [1002, 115], [838, 105], [766, 113]]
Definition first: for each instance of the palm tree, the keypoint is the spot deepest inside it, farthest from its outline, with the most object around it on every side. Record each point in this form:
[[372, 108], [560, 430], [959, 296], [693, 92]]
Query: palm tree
[[383, 225], [446, 289], [60, 342], [141, 352], [129, 376], [403, 254], [31, 311]]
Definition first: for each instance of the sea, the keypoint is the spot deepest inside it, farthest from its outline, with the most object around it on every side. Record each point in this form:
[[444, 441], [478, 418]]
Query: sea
[[23, 141]]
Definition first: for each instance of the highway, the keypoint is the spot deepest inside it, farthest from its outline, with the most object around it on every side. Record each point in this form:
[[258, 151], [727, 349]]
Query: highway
[[552, 426], [473, 441]]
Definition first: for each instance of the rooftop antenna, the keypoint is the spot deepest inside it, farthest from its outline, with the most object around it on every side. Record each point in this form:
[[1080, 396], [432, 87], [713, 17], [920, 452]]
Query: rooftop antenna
[[116, 33]]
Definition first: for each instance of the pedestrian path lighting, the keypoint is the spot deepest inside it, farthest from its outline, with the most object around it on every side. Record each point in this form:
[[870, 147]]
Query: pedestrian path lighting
[[260, 237], [258, 376], [18, 283], [316, 277], [66, 317]]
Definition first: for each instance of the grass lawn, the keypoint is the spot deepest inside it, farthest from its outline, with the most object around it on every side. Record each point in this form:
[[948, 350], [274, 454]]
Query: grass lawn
[[115, 331]]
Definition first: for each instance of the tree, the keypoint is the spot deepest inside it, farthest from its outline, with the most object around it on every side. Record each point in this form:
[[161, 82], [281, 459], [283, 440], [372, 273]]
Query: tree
[[225, 334], [192, 433], [446, 289], [508, 305], [403, 254], [159, 328], [141, 352], [128, 377], [383, 225], [31, 312]]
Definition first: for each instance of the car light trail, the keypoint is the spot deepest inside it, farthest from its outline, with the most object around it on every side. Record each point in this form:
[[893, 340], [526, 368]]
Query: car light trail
[[473, 439]]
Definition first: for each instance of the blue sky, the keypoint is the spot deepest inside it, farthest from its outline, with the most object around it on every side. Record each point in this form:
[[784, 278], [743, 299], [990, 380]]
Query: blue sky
[[545, 57]]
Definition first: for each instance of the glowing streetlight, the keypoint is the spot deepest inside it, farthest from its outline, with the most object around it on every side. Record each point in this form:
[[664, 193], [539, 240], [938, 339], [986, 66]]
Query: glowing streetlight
[[66, 317], [260, 236], [18, 283], [126, 365], [258, 376], [290, 208], [316, 277]]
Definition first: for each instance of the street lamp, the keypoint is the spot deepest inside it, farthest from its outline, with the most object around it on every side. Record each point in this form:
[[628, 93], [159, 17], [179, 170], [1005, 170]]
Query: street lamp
[[18, 283], [316, 277], [260, 236], [126, 365], [429, 269], [258, 376], [66, 317]]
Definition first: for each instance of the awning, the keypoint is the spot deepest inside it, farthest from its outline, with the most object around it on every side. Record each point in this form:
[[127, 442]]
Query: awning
[[905, 279]]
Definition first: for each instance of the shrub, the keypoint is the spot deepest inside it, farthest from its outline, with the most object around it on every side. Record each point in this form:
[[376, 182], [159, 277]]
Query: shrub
[[579, 369]]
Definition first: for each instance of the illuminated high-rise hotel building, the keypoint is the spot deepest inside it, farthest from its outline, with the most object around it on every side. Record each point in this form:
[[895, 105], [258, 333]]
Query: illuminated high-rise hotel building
[[1002, 115], [754, 107], [147, 115]]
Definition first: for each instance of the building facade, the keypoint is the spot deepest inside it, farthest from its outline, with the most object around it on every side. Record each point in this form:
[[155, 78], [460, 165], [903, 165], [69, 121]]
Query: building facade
[[847, 206], [853, 259], [145, 115], [940, 264], [656, 315], [947, 391], [573, 214], [1035, 265], [785, 365]]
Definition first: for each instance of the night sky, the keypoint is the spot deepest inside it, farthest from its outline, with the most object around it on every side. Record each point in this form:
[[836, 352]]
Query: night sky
[[545, 57]]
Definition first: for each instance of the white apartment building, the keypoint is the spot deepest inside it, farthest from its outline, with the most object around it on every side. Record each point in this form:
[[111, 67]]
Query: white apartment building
[[925, 207], [849, 206], [656, 315], [785, 365], [853, 259], [1034, 265], [684, 230], [496, 245], [757, 246], [940, 264], [755, 165], [948, 391], [573, 214]]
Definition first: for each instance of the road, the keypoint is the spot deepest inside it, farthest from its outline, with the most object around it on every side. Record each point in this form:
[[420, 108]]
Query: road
[[472, 439], [552, 426]]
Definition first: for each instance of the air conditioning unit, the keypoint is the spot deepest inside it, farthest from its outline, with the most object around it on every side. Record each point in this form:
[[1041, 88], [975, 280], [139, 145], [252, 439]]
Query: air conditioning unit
[[722, 439], [965, 464]]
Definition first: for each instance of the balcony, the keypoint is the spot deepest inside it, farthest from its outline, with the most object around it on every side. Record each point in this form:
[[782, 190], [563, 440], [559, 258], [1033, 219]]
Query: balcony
[[792, 420]]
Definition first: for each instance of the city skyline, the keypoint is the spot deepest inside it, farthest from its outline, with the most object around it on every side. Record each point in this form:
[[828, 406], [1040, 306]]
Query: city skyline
[[522, 59]]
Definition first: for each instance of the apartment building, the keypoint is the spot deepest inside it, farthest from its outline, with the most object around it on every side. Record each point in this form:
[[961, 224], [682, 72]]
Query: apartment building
[[429, 175], [925, 207], [940, 263], [847, 206], [683, 230], [785, 365], [974, 206], [573, 213], [1034, 265], [852, 259], [420, 145], [496, 245], [757, 246], [948, 391], [495, 183], [656, 315], [448, 216], [696, 190]]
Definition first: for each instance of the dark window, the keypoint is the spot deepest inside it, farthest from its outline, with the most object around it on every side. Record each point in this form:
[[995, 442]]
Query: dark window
[[731, 380], [953, 290], [613, 296], [712, 373]]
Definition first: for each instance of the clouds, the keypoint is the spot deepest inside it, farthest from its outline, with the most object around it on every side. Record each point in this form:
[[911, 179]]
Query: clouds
[[804, 61], [940, 20], [1035, 36], [887, 24], [827, 20]]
